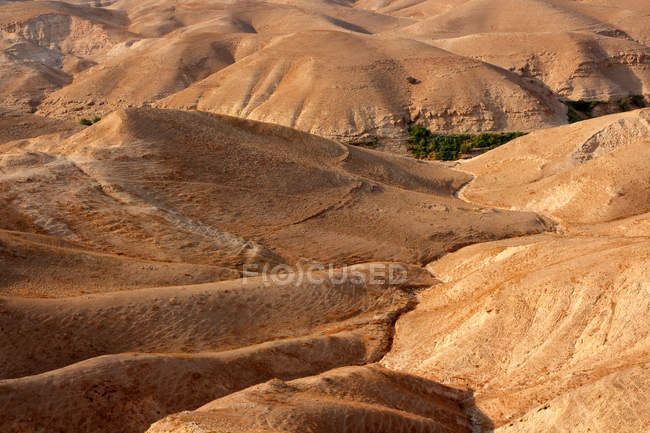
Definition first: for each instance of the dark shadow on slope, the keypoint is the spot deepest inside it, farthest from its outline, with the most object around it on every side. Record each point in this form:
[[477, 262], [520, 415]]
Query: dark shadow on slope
[[348, 26], [365, 399]]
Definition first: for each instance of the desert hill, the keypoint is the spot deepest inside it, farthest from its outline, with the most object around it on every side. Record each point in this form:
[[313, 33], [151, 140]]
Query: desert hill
[[208, 221], [546, 331], [534, 326], [336, 69], [589, 67], [45, 266], [178, 186], [293, 82], [601, 161], [185, 334], [510, 16], [355, 399], [518, 331], [549, 320]]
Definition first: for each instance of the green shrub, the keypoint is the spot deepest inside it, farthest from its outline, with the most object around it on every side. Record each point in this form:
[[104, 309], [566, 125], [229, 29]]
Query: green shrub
[[638, 100], [85, 122], [419, 142], [583, 106], [622, 104], [448, 151], [572, 116], [422, 143], [96, 119], [364, 142]]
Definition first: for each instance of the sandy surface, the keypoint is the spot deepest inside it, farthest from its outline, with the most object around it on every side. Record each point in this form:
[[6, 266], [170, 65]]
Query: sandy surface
[[123, 303], [340, 70], [543, 332]]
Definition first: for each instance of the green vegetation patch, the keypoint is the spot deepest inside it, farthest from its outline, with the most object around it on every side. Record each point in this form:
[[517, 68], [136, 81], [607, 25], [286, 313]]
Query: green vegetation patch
[[422, 143], [583, 106], [572, 116], [638, 100], [583, 110], [363, 142], [88, 122], [580, 110]]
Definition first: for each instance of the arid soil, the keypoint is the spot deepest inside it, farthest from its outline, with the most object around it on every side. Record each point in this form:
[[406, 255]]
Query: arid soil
[[135, 293], [547, 332], [504, 334], [336, 69]]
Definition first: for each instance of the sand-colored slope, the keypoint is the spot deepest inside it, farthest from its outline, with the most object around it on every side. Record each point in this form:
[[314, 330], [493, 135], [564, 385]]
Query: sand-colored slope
[[27, 74], [329, 68], [155, 17], [531, 324], [23, 126], [512, 16], [627, 20], [128, 392], [42, 43], [43, 266], [616, 402], [204, 317], [200, 41], [124, 77], [67, 28], [589, 66], [284, 330], [546, 332], [634, 5], [591, 172], [294, 82], [416, 9], [549, 330], [354, 399], [195, 188]]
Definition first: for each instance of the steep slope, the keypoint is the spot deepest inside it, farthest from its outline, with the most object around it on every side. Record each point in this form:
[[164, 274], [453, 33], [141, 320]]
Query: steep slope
[[61, 27], [356, 399], [27, 74], [42, 43], [187, 334], [543, 332], [602, 162], [293, 82], [534, 325], [589, 66], [195, 188]]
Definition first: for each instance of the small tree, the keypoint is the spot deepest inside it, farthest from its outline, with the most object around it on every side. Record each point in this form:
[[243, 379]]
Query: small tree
[[419, 142], [638, 100]]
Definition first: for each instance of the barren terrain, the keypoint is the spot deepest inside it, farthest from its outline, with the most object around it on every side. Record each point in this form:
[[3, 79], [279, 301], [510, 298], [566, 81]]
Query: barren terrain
[[336, 69], [504, 293]]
